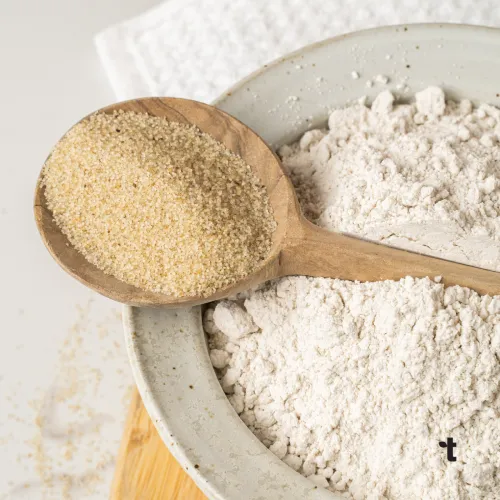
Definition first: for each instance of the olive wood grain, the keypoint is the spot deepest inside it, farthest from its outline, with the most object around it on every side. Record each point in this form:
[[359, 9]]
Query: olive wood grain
[[298, 246]]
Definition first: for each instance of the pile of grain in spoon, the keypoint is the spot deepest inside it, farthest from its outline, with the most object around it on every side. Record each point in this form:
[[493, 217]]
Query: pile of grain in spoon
[[158, 204]]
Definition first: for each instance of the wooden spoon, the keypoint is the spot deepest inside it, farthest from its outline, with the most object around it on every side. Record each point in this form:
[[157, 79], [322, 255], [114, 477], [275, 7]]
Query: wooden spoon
[[298, 247]]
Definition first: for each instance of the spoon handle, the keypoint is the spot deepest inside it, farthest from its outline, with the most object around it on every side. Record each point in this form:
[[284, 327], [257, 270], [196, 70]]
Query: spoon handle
[[312, 251]]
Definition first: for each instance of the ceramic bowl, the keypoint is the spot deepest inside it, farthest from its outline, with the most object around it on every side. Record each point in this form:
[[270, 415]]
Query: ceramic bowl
[[167, 348]]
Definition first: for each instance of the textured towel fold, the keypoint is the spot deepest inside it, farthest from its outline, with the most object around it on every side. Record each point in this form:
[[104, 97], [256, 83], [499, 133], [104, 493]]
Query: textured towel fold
[[198, 48]]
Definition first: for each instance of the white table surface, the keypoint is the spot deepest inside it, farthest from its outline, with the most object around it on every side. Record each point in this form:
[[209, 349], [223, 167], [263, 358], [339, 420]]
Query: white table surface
[[64, 377]]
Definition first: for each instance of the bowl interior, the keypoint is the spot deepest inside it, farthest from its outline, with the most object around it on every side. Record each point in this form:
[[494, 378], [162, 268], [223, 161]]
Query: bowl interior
[[167, 348]]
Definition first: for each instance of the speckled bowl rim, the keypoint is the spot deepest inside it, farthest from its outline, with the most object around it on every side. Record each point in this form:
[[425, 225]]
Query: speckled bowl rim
[[142, 362]]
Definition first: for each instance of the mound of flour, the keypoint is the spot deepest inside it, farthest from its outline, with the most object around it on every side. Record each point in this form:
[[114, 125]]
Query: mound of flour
[[423, 176], [355, 384]]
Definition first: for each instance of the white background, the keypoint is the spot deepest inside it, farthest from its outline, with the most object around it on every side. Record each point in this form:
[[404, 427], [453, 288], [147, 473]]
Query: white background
[[64, 378]]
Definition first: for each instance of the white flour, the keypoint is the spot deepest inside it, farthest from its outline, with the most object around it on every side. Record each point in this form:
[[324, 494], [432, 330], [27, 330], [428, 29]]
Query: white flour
[[424, 183], [354, 385]]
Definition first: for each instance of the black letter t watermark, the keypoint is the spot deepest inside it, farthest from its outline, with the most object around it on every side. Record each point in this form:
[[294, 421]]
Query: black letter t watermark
[[449, 445]]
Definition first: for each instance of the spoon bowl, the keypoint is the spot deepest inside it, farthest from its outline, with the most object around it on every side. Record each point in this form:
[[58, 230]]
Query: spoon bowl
[[237, 137], [298, 247]]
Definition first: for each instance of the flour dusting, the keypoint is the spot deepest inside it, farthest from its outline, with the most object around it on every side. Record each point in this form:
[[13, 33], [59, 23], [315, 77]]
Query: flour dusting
[[355, 384]]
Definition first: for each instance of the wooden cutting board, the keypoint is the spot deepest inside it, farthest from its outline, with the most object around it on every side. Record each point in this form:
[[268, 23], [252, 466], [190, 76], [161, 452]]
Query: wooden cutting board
[[145, 469]]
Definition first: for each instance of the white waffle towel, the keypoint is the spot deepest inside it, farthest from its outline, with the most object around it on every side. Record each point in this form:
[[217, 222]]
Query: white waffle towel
[[198, 48]]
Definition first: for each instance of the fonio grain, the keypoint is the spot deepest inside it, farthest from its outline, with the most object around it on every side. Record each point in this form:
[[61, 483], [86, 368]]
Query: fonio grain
[[159, 205]]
